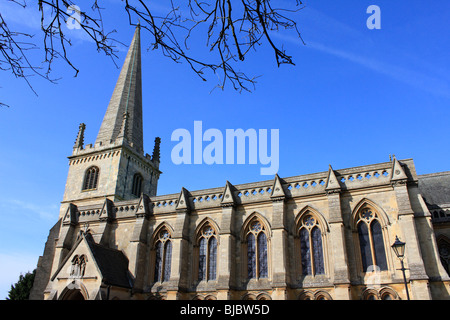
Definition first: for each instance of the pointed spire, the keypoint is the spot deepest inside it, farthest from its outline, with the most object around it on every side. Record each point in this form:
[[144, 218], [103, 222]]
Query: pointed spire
[[126, 98], [79, 142]]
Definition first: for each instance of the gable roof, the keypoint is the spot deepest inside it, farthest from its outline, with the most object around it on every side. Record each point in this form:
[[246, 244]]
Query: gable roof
[[112, 263]]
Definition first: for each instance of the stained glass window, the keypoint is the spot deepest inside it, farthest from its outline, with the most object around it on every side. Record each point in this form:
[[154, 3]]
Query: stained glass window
[[202, 260], [257, 265], [309, 221], [364, 244], [373, 254], [212, 258], [378, 244], [311, 250], [251, 256], [262, 255], [158, 261], [208, 231], [305, 253], [317, 250], [163, 256], [367, 214], [207, 254], [167, 260], [256, 226]]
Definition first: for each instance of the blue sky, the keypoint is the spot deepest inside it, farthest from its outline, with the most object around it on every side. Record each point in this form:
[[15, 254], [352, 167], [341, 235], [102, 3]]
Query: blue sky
[[354, 97]]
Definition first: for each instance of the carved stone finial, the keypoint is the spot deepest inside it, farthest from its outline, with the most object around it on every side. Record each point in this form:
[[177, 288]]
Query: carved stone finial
[[156, 150], [79, 142], [278, 193]]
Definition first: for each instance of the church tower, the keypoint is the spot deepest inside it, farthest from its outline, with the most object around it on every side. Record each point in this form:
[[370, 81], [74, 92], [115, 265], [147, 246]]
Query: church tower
[[115, 167]]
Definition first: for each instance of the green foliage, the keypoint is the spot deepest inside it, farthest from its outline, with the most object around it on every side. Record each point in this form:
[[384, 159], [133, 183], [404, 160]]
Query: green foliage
[[21, 290]]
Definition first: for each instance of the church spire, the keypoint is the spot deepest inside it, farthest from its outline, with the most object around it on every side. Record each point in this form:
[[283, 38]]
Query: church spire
[[126, 99]]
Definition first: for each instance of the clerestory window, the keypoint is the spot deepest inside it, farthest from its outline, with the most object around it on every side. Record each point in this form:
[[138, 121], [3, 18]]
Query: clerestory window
[[371, 241], [311, 250], [256, 250], [207, 254], [163, 259]]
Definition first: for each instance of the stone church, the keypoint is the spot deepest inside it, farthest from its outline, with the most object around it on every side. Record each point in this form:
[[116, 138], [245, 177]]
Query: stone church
[[325, 235]]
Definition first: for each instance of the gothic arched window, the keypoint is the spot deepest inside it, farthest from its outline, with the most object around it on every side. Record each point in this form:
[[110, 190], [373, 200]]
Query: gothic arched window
[[163, 256], [371, 241], [78, 266], [256, 250], [444, 253], [91, 178], [207, 255], [311, 251], [136, 188]]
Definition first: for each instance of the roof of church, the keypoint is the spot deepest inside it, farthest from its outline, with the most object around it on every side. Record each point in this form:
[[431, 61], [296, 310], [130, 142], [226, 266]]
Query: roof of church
[[126, 100], [113, 264], [435, 188]]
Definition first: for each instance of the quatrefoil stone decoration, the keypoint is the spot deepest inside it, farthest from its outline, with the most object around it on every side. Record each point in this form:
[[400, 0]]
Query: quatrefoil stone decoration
[[256, 226], [309, 221], [208, 231], [164, 235]]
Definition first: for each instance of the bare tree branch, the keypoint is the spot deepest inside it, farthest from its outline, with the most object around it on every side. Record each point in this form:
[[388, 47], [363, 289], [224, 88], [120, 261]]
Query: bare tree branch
[[232, 29]]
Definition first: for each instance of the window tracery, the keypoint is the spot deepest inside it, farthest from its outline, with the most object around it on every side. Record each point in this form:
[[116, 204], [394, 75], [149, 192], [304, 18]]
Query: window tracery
[[207, 256], [371, 240], [78, 267], [256, 240], [311, 247], [163, 256]]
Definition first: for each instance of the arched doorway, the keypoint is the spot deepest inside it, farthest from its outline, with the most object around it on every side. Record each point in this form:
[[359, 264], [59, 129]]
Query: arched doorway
[[73, 294]]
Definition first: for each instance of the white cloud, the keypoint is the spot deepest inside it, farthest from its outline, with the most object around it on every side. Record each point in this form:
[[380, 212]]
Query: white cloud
[[14, 13], [45, 212], [430, 81], [407, 76]]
